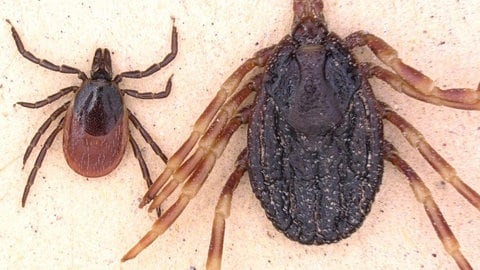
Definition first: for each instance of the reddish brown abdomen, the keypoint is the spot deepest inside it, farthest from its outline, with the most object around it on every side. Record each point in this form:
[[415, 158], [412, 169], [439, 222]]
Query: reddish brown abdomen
[[96, 129]]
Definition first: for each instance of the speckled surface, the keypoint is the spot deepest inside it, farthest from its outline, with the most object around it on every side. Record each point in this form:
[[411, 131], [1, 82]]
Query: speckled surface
[[71, 222]]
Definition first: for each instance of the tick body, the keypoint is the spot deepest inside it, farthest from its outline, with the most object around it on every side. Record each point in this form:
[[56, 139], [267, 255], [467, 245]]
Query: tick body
[[96, 121], [95, 131], [315, 139]]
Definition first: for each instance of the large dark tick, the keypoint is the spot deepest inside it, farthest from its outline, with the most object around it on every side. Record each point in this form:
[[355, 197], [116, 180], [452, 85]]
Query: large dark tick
[[95, 122], [315, 138]]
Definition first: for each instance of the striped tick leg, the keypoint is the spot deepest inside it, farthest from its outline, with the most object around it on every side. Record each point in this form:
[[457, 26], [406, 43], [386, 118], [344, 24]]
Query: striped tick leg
[[222, 212], [212, 131], [417, 141], [192, 184], [412, 82], [208, 140], [424, 196], [409, 80], [223, 113]]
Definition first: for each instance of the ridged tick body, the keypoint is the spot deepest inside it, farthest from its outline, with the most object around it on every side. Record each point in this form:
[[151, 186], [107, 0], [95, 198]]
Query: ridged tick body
[[314, 139]]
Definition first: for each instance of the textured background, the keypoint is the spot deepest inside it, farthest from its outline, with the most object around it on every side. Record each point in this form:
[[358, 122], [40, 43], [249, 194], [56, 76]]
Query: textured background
[[71, 222]]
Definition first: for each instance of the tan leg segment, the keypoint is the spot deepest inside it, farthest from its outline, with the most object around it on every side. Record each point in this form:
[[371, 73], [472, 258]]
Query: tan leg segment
[[409, 80], [416, 139], [207, 141], [191, 187], [203, 122], [222, 212], [424, 196]]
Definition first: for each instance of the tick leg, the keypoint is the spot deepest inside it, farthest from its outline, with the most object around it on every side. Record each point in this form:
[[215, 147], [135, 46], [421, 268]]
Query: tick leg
[[39, 160], [206, 142], [424, 196], [409, 80], [141, 161], [143, 165], [44, 63], [228, 88], [222, 212], [150, 95], [204, 160], [446, 171], [49, 99], [190, 188], [147, 137], [215, 135], [42, 130], [137, 74]]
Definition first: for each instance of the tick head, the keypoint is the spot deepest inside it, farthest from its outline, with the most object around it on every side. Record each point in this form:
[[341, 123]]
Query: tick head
[[309, 25], [102, 65], [310, 31]]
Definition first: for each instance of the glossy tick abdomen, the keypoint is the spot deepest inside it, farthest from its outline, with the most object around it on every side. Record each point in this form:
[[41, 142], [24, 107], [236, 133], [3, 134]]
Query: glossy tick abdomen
[[96, 129], [315, 136]]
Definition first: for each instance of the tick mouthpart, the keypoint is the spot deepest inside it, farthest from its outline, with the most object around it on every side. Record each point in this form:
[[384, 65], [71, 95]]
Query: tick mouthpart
[[102, 65], [307, 8]]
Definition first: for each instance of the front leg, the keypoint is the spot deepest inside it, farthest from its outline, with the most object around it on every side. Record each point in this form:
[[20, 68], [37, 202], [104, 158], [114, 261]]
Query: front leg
[[150, 95], [42, 62], [137, 74], [409, 80]]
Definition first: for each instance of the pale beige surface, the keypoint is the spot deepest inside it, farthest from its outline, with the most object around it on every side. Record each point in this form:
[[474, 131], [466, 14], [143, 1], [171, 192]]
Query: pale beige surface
[[72, 223]]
